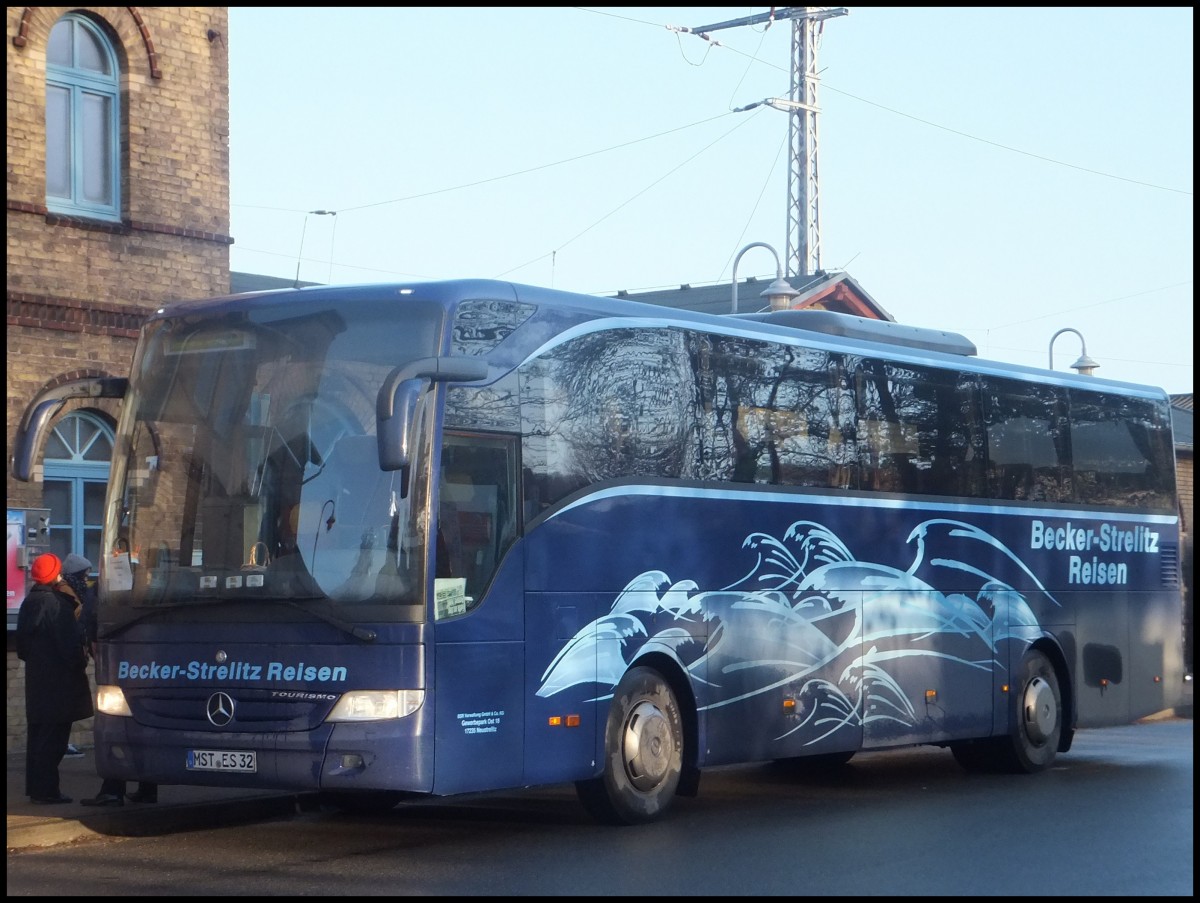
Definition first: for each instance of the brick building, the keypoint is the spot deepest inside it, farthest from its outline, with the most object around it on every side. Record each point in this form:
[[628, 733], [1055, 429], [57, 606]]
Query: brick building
[[118, 200], [1182, 418]]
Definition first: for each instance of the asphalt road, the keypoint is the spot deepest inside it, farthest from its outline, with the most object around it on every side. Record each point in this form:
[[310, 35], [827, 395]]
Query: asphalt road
[[1113, 818]]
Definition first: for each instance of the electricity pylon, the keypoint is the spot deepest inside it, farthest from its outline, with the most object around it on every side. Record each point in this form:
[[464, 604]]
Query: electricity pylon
[[803, 208]]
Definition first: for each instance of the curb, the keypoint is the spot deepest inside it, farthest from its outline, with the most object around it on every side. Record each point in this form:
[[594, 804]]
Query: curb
[[25, 832]]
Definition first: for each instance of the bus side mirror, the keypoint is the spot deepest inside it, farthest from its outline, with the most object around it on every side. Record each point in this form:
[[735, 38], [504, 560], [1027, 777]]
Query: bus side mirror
[[396, 404], [45, 405], [27, 437], [394, 433]]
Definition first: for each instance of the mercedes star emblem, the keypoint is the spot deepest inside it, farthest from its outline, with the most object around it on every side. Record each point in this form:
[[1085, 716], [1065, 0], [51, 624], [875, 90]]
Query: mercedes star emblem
[[220, 709]]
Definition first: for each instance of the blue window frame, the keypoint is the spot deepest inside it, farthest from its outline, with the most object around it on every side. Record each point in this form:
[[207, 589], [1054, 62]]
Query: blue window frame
[[83, 94], [75, 478]]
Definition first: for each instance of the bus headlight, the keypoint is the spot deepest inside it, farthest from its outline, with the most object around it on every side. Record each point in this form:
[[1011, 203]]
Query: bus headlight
[[111, 701], [376, 705]]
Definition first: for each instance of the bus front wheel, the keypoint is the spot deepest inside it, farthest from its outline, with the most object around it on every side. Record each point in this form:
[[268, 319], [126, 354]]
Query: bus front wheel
[[643, 752]]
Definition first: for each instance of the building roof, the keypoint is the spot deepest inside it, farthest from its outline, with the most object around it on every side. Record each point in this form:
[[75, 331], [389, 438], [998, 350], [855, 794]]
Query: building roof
[[838, 292], [1182, 421], [254, 282]]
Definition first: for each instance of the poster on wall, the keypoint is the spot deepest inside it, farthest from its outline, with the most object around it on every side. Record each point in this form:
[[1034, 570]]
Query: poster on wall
[[16, 574]]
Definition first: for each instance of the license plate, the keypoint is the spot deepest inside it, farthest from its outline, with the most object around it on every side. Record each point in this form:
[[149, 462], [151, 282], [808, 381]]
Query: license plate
[[222, 760]]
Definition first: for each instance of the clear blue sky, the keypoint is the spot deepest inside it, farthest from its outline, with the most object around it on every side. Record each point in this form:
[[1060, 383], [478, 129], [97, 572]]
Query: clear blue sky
[[998, 172]]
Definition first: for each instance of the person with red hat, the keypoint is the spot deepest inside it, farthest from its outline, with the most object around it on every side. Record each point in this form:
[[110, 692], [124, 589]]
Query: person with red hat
[[57, 692]]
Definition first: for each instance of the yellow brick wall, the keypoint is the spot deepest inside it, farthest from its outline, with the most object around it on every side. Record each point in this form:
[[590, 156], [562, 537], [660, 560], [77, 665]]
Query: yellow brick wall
[[78, 289], [1185, 474], [1185, 468]]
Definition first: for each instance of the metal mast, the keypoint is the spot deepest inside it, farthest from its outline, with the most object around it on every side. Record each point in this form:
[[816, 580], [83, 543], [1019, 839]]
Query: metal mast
[[803, 255]]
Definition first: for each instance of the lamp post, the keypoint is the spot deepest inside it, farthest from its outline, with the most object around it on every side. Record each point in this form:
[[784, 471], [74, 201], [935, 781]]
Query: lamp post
[[778, 293], [1085, 365], [304, 229]]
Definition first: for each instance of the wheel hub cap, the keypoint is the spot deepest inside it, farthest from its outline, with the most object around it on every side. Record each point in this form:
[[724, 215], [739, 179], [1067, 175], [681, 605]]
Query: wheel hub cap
[[648, 746], [1040, 711]]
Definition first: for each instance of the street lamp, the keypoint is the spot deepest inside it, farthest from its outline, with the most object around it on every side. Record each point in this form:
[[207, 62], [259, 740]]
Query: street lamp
[[778, 293], [1085, 365], [304, 229]]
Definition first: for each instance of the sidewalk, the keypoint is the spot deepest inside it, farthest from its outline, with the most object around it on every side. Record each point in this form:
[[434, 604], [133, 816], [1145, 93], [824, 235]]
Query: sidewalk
[[179, 808]]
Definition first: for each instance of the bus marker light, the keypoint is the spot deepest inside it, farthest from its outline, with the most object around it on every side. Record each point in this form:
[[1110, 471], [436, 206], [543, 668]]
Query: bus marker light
[[556, 721], [930, 697], [572, 721], [788, 704], [1004, 688], [1158, 678]]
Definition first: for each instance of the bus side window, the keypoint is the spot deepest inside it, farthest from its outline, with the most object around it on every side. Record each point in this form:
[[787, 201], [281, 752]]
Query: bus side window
[[1028, 455], [476, 508], [456, 497]]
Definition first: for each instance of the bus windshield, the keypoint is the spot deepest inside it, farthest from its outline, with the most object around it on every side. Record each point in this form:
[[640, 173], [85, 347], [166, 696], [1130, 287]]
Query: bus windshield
[[247, 467]]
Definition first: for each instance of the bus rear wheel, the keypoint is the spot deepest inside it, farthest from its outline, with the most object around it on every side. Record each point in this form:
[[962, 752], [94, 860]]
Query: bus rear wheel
[[1037, 724], [643, 752], [1039, 717]]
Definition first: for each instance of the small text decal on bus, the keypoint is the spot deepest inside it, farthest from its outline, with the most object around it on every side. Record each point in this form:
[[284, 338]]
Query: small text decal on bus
[[480, 722]]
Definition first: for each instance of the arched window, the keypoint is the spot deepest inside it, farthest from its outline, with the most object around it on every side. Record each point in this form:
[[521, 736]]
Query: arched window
[[83, 149], [75, 473]]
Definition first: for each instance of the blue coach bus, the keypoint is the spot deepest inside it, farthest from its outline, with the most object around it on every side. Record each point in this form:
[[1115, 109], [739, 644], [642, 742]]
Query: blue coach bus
[[470, 535]]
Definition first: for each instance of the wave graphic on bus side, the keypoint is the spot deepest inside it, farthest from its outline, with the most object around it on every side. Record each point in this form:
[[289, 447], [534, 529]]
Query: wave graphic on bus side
[[811, 620]]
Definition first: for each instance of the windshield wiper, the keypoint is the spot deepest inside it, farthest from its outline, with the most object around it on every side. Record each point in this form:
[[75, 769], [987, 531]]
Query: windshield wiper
[[365, 634]]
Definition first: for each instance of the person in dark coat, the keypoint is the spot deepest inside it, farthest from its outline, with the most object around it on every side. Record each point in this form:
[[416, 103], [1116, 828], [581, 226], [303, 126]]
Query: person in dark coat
[[76, 570], [57, 692]]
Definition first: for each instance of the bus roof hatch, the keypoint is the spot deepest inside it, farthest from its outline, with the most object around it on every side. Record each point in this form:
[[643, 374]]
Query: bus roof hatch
[[852, 327]]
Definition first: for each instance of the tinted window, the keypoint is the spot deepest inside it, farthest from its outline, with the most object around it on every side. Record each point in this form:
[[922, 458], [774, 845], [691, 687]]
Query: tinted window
[[667, 404], [1028, 441], [778, 415], [1122, 452], [607, 406], [918, 430]]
